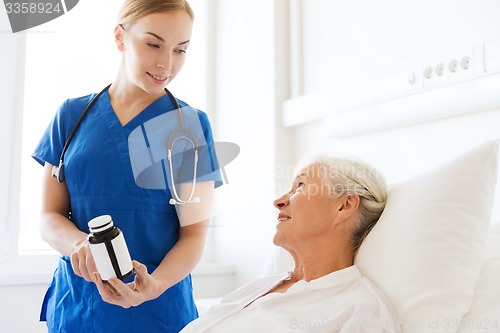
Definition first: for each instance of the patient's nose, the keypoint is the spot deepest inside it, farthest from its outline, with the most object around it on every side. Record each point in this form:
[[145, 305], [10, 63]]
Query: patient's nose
[[281, 202]]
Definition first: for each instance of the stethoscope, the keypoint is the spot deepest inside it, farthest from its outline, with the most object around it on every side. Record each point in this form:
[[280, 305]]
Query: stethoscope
[[58, 171]]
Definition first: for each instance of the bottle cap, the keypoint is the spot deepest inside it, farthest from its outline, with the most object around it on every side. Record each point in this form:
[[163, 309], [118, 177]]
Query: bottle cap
[[100, 223]]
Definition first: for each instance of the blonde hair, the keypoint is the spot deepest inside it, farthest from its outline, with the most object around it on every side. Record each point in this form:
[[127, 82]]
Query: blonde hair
[[133, 10], [343, 177]]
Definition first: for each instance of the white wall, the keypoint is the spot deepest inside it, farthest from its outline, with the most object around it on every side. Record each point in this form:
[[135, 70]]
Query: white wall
[[20, 308], [349, 43], [346, 42]]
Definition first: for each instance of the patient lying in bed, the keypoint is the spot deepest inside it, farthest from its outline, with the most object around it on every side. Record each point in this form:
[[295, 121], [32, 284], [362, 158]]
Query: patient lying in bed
[[331, 206]]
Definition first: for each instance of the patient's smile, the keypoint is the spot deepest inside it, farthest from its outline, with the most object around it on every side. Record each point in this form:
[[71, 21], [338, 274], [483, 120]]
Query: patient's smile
[[283, 217]]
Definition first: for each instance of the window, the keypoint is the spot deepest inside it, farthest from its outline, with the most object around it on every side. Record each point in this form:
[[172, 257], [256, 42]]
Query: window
[[73, 56]]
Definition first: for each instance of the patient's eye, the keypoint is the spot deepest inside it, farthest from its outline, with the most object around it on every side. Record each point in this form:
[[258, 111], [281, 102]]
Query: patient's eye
[[298, 182], [299, 185]]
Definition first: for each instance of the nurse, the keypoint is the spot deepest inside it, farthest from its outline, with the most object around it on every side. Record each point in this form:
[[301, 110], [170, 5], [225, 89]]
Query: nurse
[[165, 241]]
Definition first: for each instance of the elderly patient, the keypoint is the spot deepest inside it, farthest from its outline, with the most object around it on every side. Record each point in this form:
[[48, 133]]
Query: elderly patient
[[332, 204]]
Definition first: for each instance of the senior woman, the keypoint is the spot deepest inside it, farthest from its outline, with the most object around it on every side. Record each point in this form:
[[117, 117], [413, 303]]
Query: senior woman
[[332, 204]]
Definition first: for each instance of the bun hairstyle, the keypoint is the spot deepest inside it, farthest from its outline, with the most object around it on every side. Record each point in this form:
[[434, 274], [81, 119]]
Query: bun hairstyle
[[132, 10], [343, 177]]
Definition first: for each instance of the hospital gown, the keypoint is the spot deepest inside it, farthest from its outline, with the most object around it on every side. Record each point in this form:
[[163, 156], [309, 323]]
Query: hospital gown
[[101, 181], [342, 301]]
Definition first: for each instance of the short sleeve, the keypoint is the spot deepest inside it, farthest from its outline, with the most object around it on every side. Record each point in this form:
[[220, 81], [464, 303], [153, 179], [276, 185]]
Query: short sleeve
[[208, 164], [51, 144]]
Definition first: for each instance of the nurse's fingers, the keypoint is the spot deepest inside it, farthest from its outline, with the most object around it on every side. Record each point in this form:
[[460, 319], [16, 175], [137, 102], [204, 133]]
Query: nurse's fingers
[[78, 263], [128, 296], [137, 292], [75, 263], [144, 283], [90, 264], [108, 292], [82, 262], [140, 270]]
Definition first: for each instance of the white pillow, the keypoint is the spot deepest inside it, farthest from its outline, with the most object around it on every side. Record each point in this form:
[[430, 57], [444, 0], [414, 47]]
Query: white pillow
[[484, 315], [426, 250]]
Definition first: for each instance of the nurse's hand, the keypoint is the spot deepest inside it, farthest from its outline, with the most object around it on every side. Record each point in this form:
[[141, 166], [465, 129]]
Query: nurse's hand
[[142, 289], [82, 261]]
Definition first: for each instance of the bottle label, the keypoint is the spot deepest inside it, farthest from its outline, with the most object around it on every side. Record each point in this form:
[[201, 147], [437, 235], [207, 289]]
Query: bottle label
[[102, 261], [122, 254], [112, 258]]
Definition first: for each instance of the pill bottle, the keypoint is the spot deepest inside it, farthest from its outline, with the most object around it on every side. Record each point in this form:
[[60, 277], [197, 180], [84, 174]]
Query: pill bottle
[[109, 249]]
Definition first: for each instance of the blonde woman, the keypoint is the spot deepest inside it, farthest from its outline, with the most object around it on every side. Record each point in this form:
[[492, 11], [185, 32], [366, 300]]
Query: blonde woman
[[98, 179]]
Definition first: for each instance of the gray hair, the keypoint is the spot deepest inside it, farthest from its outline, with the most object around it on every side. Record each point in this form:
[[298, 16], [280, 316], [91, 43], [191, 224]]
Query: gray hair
[[346, 176]]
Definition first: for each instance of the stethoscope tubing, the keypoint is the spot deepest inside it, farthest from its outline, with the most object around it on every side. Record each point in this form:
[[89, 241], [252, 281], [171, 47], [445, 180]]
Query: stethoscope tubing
[[58, 171]]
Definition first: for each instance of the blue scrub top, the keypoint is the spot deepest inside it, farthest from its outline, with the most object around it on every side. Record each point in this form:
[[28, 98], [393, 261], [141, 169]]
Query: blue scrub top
[[100, 181]]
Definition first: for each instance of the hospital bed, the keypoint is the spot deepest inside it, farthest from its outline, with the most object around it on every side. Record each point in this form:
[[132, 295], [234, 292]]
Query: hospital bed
[[435, 251]]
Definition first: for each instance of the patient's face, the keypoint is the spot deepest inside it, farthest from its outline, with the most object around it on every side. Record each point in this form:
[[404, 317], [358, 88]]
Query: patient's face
[[306, 211]]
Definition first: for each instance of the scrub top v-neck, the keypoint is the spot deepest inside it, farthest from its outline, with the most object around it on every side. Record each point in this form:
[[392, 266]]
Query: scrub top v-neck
[[100, 181]]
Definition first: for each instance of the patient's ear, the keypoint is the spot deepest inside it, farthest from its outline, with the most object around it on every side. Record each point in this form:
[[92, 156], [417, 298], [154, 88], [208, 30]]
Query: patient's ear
[[348, 207]]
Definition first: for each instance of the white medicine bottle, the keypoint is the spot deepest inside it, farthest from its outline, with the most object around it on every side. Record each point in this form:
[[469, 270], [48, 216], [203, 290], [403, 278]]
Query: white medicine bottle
[[109, 249]]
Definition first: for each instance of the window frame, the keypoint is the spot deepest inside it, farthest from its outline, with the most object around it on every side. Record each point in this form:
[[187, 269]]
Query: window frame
[[15, 268]]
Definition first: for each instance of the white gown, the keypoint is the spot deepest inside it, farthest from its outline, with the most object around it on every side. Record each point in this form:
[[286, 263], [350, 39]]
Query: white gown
[[342, 301]]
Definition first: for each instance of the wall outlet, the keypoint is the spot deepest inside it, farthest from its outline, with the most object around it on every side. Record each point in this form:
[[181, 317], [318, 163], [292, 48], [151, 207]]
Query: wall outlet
[[448, 68]]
